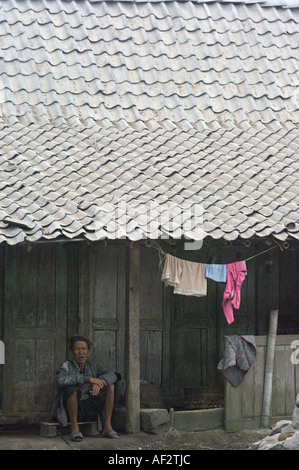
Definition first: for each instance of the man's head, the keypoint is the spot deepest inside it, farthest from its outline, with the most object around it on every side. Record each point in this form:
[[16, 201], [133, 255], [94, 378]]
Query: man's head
[[80, 346]]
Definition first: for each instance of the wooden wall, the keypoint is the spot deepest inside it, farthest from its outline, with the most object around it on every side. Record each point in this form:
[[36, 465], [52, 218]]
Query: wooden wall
[[198, 325], [101, 307], [243, 404], [35, 319], [52, 291]]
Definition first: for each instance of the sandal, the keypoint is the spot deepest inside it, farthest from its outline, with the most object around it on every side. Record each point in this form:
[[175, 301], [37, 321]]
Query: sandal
[[76, 436], [111, 434]]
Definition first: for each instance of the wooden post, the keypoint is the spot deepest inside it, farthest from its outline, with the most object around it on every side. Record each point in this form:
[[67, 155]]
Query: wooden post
[[132, 354], [267, 397]]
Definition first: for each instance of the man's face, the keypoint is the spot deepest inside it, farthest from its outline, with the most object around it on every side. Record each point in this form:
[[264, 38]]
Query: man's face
[[81, 352]]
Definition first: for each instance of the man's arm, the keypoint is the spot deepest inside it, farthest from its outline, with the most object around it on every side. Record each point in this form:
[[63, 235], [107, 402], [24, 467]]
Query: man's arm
[[66, 376], [103, 378], [97, 385], [108, 376]]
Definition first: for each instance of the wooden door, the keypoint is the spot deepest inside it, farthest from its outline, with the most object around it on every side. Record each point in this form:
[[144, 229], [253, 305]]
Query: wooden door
[[199, 326], [102, 297], [193, 339], [35, 326], [153, 321], [193, 358], [102, 302]]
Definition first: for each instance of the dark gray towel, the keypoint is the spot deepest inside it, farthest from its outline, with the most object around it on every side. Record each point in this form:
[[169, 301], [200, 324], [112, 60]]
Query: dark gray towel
[[239, 355]]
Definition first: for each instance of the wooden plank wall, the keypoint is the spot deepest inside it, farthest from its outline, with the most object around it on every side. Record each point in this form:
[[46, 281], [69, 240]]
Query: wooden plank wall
[[198, 325], [101, 308], [152, 318], [101, 302], [181, 338], [35, 320], [243, 404]]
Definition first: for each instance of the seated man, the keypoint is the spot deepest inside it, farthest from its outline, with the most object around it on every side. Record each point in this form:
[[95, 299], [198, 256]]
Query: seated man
[[83, 388]]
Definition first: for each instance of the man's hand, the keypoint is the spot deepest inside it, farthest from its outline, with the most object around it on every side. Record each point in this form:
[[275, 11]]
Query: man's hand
[[97, 385]]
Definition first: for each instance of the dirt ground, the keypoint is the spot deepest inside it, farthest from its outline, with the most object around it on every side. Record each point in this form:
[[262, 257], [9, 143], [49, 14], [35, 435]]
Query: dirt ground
[[173, 440], [205, 440]]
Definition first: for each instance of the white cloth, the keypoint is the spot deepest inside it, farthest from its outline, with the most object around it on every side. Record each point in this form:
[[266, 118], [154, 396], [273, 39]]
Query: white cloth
[[187, 277]]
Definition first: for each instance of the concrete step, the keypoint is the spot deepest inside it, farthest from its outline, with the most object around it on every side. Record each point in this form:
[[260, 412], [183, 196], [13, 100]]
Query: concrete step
[[152, 420], [157, 421], [198, 420]]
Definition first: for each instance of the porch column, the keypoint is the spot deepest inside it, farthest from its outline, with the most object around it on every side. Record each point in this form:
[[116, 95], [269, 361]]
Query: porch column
[[132, 355]]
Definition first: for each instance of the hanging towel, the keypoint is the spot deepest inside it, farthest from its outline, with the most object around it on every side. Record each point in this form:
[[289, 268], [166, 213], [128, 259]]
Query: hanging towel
[[216, 272], [239, 355], [187, 277], [232, 293], [192, 280], [171, 271]]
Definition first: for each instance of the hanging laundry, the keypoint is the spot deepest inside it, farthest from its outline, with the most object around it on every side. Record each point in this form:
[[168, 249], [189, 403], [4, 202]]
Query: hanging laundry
[[187, 277], [239, 355], [216, 272], [171, 271], [232, 293]]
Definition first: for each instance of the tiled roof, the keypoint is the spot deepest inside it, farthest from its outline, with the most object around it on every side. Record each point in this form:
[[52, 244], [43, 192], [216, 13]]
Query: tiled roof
[[181, 104]]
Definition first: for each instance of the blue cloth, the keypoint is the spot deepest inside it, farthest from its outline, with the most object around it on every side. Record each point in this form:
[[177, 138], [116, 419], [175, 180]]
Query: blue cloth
[[217, 272]]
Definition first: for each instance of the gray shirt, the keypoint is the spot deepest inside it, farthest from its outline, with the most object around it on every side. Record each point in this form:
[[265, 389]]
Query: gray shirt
[[69, 374]]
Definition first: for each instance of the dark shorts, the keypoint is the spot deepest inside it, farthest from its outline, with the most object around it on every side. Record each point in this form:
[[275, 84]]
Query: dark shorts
[[88, 409]]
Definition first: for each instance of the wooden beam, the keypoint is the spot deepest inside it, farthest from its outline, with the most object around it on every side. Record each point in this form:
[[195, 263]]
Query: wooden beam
[[132, 333], [269, 367]]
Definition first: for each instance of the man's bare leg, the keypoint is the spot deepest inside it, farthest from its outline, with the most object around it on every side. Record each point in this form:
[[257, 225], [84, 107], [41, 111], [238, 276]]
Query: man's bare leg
[[109, 403], [72, 408]]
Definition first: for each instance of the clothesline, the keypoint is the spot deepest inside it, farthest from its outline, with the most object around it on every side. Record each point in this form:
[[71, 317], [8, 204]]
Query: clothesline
[[262, 252], [190, 279], [162, 253]]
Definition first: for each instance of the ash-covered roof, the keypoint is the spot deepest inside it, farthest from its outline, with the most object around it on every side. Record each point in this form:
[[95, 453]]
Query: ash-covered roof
[[109, 108]]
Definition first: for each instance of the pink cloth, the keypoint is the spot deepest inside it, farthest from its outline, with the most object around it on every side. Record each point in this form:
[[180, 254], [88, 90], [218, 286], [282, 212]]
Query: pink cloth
[[232, 294]]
